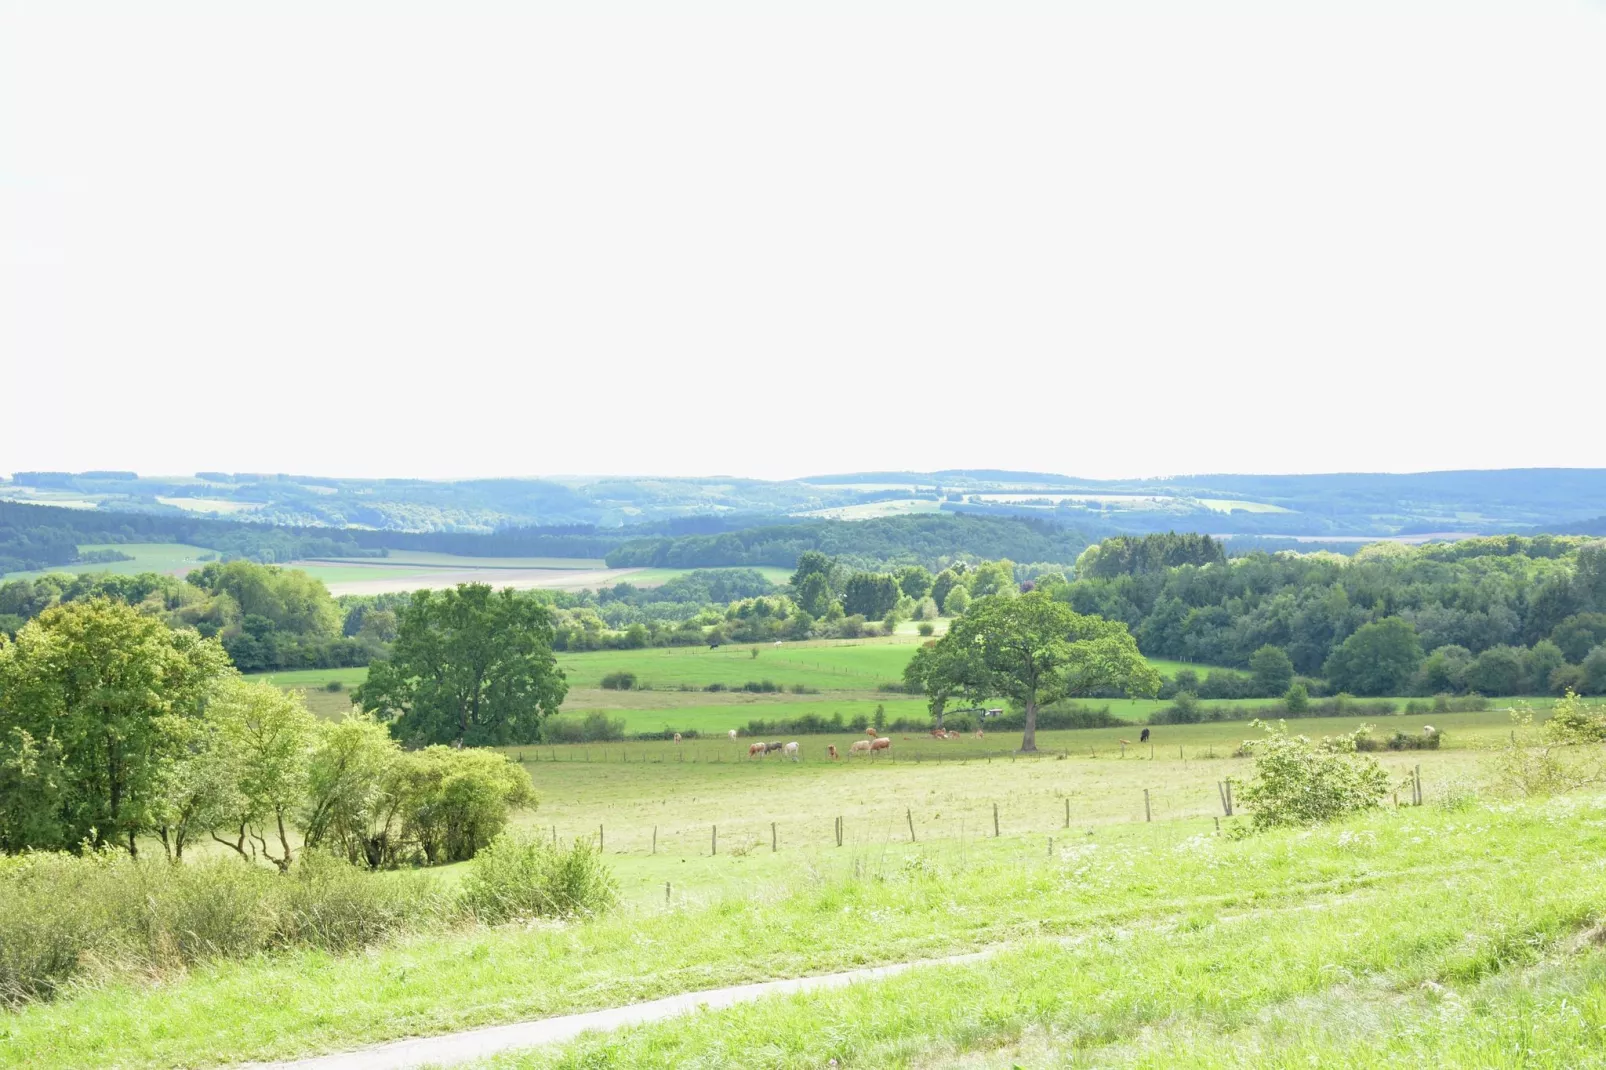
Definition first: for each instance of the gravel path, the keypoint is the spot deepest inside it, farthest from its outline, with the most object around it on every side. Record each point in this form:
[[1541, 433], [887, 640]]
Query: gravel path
[[451, 1049]]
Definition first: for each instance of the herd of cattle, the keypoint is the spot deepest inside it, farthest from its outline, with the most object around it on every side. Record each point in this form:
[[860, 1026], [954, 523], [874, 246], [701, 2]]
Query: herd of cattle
[[877, 742]]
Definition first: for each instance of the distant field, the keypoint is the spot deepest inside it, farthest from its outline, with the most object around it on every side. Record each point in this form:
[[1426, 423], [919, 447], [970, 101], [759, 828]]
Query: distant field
[[458, 561], [412, 571], [653, 577], [169, 557], [874, 510], [210, 505], [844, 673]]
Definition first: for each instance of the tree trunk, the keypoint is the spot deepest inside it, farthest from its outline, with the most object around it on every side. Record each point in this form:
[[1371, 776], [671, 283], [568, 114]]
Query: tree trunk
[[1028, 739]]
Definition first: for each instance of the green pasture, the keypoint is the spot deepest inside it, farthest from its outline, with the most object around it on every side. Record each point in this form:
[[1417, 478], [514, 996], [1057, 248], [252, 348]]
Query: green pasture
[[1461, 933], [170, 557]]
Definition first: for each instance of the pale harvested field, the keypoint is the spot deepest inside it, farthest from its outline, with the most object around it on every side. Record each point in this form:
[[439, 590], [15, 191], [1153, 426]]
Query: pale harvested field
[[385, 579]]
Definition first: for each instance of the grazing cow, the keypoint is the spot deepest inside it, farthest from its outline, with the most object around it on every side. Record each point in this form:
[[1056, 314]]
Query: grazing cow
[[831, 749], [980, 733], [879, 744], [677, 737], [733, 733], [755, 750], [937, 733], [1429, 730], [870, 732], [1144, 737], [860, 747], [772, 747], [777, 642], [792, 752]]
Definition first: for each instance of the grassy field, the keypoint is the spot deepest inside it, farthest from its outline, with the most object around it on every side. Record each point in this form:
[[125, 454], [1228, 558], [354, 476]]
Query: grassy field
[[169, 557], [1422, 936]]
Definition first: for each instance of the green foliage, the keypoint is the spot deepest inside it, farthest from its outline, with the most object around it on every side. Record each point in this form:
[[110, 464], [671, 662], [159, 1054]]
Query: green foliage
[[925, 627], [1031, 650], [1297, 700], [1300, 782], [871, 595], [469, 666], [619, 681], [97, 703], [263, 741], [915, 581], [457, 801], [1133, 555], [1378, 659], [1272, 670], [518, 877], [1562, 755], [957, 602]]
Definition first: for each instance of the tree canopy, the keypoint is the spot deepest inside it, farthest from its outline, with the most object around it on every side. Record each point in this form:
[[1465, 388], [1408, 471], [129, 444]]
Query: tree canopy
[[1031, 650], [470, 666]]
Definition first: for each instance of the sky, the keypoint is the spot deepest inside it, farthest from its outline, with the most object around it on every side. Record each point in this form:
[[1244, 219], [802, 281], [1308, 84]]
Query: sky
[[1116, 239]]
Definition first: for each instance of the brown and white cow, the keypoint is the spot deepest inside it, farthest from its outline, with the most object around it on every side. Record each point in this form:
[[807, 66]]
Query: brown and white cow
[[879, 744], [755, 750], [831, 750], [860, 747]]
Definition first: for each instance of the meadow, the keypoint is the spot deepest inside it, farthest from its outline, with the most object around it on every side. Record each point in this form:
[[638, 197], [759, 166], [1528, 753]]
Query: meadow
[[1423, 930], [171, 558]]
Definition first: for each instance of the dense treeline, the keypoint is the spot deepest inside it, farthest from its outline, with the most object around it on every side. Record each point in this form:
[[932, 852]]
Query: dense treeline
[[930, 540], [265, 617], [41, 536], [1505, 615], [1128, 555]]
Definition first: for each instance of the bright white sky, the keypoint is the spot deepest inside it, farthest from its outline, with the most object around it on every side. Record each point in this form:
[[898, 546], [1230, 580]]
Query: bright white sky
[[1106, 239]]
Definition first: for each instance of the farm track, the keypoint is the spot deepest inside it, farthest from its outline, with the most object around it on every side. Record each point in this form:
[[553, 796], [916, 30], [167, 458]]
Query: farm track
[[458, 1048]]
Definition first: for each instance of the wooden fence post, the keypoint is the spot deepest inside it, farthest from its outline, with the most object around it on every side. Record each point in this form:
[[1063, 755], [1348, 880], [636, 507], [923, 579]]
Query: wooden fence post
[[655, 839], [910, 814], [1229, 796], [666, 893], [995, 820], [1146, 815], [1067, 811], [713, 841], [599, 839], [773, 840], [839, 830]]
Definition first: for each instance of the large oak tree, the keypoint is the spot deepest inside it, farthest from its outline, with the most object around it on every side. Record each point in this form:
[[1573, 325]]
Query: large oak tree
[[470, 666], [1032, 651]]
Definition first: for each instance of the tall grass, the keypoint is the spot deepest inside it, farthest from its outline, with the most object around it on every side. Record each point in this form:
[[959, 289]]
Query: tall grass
[[67, 920]]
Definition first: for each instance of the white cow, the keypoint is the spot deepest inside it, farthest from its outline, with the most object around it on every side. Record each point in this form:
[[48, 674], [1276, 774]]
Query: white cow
[[792, 751], [733, 733]]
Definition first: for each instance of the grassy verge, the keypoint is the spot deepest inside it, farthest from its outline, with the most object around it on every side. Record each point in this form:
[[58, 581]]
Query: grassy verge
[[1116, 935], [1434, 967]]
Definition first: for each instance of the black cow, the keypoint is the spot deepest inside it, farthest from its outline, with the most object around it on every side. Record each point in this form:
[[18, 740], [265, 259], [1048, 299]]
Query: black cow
[[1144, 738]]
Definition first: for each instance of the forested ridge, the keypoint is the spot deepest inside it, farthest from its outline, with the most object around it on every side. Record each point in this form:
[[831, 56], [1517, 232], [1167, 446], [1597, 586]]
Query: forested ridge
[[1504, 615], [929, 540]]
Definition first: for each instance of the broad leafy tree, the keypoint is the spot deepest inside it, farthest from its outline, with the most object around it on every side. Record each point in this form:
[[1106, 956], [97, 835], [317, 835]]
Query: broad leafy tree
[[470, 666], [97, 703], [1032, 650], [870, 594], [264, 737], [1378, 659], [1272, 669]]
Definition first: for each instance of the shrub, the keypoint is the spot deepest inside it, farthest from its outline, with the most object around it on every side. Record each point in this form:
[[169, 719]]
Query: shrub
[[518, 877], [1185, 709], [925, 627], [1299, 781], [457, 801], [619, 681], [334, 686], [594, 727], [1297, 700]]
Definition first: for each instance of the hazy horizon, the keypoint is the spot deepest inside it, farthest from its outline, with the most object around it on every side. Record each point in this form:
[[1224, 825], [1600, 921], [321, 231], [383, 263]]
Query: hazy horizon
[[1101, 238]]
